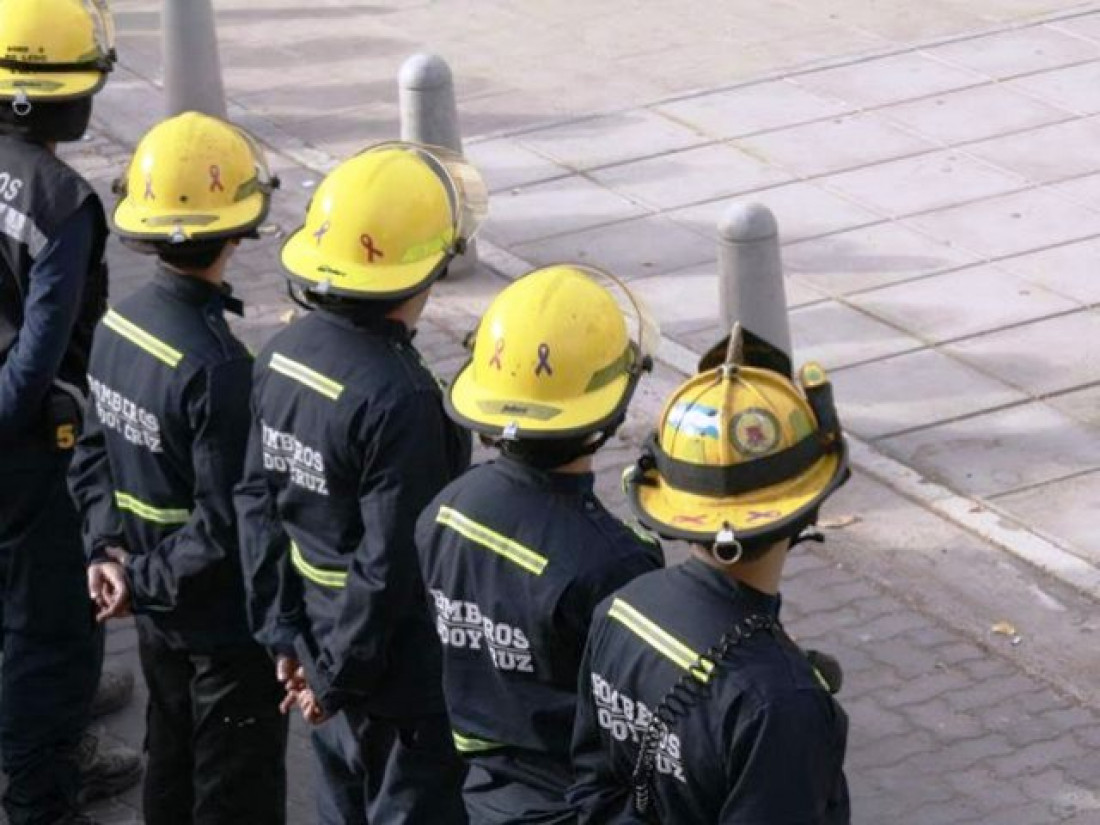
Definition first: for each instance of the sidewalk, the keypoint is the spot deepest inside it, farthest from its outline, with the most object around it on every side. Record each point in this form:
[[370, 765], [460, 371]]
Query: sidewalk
[[938, 204]]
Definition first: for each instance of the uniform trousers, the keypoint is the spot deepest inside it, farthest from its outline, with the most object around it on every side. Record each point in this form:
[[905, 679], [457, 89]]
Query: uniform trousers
[[215, 739], [52, 647], [375, 771]]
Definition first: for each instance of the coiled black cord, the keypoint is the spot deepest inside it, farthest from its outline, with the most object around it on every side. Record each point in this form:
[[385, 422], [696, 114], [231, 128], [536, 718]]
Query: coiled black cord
[[688, 691]]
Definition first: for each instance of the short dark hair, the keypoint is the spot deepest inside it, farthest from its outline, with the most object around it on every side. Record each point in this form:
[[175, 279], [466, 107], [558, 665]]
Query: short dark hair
[[48, 121], [191, 254]]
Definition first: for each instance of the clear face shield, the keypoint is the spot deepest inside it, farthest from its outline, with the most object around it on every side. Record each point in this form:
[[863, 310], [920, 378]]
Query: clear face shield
[[642, 328], [466, 189], [104, 31]]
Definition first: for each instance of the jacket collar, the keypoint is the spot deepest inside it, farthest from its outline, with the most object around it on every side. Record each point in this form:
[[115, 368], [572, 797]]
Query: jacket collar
[[568, 483], [716, 581], [196, 291], [386, 327]]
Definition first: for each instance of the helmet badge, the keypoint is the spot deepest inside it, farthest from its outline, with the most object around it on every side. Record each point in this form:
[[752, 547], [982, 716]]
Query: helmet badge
[[754, 432], [497, 352]]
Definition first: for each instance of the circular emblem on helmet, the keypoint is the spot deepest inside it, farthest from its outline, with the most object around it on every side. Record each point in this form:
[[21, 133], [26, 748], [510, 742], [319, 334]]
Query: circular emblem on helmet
[[754, 432]]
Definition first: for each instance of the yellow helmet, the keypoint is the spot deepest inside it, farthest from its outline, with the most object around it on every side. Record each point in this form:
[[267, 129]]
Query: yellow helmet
[[193, 178], [385, 223], [741, 458], [54, 50], [554, 356]]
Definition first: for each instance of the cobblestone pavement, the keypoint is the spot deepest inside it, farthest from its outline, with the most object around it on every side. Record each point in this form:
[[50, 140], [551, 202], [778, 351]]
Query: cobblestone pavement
[[950, 723]]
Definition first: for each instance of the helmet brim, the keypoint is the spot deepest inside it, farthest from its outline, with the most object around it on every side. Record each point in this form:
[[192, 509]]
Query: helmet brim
[[133, 222], [676, 514], [309, 268], [491, 414], [50, 86]]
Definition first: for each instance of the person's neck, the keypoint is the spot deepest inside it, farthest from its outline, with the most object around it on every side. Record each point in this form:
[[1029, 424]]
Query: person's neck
[[577, 466], [762, 573], [409, 312], [212, 275]]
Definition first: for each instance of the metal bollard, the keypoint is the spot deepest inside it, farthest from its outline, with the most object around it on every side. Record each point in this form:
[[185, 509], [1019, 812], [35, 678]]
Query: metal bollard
[[750, 274], [429, 115], [192, 70]]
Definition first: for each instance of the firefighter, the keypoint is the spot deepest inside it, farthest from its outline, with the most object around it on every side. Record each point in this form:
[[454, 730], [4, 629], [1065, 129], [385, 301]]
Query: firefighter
[[54, 56], [349, 443], [518, 552], [153, 476], [697, 706]]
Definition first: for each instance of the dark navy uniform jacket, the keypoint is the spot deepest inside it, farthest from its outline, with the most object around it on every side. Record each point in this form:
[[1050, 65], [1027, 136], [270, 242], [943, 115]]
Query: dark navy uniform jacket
[[515, 561], [53, 289], [349, 443], [765, 743], [165, 429]]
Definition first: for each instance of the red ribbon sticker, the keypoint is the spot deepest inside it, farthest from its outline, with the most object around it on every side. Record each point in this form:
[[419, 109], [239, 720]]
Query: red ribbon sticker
[[495, 360], [149, 194], [372, 250], [216, 178]]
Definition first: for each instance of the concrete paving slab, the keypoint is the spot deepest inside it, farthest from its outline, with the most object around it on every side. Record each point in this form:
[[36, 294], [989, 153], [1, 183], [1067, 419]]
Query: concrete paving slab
[[962, 303], [1069, 270], [973, 114], [1000, 451], [923, 183], [611, 139], [896, 78], [803, 210], [681, 301], [1084, 405], [1085, 190], [755, 108], [691, 176], [507, 164], [834, 145], [631, 249], [1041, 357], [838, 336], [1010, 224], [870, 257], [1075, 89], [917, 389], [555, 208], [1055, 508], [1047, 154], [1017, 51]]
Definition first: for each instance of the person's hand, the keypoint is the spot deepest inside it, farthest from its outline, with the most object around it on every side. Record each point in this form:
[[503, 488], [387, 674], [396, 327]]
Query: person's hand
[[108, 589], [311, 709]]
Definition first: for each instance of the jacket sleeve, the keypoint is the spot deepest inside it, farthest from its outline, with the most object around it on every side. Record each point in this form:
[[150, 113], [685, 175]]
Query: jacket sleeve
[[597, 795], [273, 591], [56, 287], [406, 465], [92, 488], [784, 762], [205, 548]]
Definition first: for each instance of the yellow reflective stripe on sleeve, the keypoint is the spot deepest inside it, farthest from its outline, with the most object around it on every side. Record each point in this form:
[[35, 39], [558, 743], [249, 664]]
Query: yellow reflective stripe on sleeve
[[336, 579], [147, 512], [661, 640], [471, 744], [306, 377], [515, 552], [142, 339]]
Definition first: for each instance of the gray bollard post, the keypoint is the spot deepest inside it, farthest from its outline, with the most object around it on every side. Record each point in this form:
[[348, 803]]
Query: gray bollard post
[[750, 274], [429, 115], [192, 70]]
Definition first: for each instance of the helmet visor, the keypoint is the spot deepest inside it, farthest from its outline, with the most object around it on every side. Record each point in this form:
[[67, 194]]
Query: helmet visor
[[642, 328], [466, 189]]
